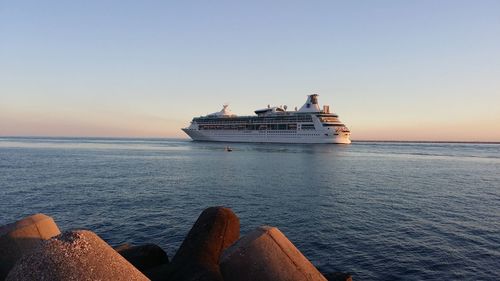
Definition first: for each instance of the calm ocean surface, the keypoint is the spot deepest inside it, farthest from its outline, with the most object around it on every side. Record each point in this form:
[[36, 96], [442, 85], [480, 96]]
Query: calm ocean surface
[[382, 211]]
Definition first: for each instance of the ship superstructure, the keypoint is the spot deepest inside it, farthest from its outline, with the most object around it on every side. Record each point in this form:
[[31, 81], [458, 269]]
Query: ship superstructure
[[309, 124]]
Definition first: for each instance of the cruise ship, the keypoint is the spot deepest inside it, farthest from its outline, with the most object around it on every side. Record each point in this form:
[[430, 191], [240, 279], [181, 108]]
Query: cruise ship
[[309, 124]]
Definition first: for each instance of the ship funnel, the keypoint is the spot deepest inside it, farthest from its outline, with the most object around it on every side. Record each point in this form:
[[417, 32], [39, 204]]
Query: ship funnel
[[314, 98], [311, 104]]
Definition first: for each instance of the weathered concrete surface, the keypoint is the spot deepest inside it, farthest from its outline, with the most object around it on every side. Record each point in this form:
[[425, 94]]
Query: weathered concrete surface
[[198, 257], [21, 237], [265, 254], [74, 255], [143, 257]]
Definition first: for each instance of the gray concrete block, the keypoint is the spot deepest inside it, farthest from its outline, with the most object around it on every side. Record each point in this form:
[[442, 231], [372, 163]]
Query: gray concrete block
[[21, 237], [74, 255], [266, 254], [198, 257], [143, 257]]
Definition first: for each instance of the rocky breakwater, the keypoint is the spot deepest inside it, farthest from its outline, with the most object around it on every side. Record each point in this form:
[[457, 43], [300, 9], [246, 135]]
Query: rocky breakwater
[[34, 249]]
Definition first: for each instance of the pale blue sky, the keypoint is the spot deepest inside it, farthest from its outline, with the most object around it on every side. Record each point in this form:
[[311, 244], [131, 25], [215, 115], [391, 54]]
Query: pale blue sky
[[422, 70]]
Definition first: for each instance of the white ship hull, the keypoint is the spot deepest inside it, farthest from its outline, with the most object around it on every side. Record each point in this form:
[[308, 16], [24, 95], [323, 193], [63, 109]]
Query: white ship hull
[[266, 136]]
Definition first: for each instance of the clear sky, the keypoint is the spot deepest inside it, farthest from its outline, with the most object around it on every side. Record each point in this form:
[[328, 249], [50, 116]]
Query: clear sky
[[392, 70]]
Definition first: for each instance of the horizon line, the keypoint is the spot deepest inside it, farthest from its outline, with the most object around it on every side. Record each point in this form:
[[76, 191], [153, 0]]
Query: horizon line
[[186, 138]]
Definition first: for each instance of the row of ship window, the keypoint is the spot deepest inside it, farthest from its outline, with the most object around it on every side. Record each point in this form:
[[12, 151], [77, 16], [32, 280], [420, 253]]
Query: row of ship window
[[260, 120], [256, 127], [328, 119], [252, 121]]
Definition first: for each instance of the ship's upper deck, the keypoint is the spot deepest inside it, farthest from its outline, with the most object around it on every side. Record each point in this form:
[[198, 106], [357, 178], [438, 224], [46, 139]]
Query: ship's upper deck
[[282, 117], [275, 114]]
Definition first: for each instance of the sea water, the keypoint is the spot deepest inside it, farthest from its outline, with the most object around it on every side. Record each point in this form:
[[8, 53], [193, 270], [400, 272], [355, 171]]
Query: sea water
[[382, 211]]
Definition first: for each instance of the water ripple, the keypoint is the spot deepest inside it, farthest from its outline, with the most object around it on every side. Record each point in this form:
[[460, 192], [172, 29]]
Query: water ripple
[[383, 211]]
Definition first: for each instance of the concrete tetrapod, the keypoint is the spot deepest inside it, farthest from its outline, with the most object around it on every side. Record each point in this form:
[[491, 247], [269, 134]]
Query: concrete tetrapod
[[198, 257], [21, 237], [74, 255], [265, 254], [143, 257]]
